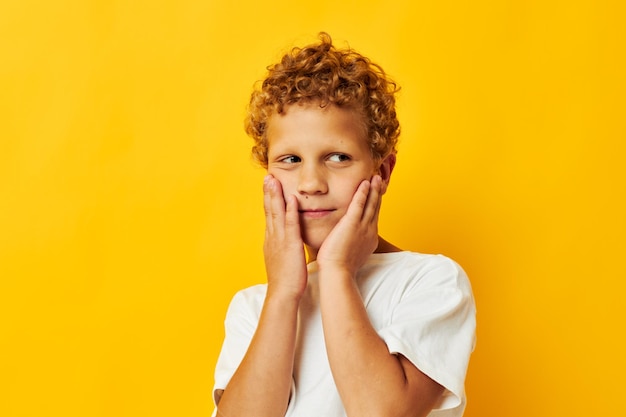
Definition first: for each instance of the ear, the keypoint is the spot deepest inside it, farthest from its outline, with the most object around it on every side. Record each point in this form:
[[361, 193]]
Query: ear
[[386, 168]]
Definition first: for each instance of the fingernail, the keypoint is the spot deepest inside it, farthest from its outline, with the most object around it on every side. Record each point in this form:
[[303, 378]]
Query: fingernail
[[267, 179]]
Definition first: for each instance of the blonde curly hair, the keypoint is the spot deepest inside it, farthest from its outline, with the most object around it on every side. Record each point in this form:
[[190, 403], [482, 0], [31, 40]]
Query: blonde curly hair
[[322, 73]]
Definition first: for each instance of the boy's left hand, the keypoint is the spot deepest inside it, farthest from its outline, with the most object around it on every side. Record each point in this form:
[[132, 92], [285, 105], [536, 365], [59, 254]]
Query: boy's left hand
[[355, 237]]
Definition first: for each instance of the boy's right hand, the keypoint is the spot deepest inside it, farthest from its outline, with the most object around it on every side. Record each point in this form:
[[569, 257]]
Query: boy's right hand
[[285, 263]]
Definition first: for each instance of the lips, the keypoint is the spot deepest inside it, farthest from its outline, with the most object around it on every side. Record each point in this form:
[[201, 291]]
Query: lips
[[315, 213]]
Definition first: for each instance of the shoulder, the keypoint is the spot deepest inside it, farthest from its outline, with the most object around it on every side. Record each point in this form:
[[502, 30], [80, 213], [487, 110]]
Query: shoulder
[[438, 269], [248, 301], [251, 294], [415, 282], [423, 270]]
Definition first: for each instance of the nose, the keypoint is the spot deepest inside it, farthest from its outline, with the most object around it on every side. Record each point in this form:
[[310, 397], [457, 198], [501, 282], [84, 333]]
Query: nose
[[312, 180]]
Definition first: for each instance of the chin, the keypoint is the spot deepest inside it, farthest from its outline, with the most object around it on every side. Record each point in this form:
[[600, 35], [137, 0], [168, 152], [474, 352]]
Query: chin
[[314, 240], [313, 245]]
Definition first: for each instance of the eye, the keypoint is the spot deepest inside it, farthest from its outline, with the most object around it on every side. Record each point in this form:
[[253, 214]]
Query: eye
[[338, 157], [291, 159]]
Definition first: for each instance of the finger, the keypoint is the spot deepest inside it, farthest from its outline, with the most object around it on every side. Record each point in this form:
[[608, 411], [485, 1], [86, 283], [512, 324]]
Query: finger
[[381, 193], [292, 217], [384, 187], [372, 206], [359, 200], [269, 227], [277, 205]]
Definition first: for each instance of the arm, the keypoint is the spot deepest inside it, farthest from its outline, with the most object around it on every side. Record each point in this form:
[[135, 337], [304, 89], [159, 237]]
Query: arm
[[370, 380], [261, 385]]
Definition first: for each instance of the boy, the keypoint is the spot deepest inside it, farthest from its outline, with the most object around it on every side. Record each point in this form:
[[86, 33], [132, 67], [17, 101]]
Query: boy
[[357, 327]]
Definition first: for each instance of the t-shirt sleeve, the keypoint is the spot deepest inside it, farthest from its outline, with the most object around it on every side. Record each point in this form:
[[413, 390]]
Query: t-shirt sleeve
[[433, 325], [240, 324]]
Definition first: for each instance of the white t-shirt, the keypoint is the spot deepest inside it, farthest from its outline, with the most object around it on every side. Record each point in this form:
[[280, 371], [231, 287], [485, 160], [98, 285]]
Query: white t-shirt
[[421, 306]]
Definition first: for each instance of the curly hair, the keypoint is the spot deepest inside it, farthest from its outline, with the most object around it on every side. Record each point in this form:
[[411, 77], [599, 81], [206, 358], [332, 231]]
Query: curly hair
[[323, 74]]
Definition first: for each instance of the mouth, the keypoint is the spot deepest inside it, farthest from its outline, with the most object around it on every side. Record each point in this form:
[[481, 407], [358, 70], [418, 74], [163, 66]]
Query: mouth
[[315, 213]]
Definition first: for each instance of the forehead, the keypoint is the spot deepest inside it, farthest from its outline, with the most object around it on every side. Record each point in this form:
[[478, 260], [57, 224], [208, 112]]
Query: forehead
[[310, 123]]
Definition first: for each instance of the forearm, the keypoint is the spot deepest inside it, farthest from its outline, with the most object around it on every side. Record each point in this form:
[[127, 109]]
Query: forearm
[[370, 380], [261, 385]]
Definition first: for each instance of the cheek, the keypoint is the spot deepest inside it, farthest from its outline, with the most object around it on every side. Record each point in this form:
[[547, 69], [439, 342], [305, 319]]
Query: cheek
[[288, 185], [348, 187]]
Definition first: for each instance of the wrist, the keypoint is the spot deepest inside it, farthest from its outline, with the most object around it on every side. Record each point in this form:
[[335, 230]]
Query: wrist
[[282, 296], [337, 273]]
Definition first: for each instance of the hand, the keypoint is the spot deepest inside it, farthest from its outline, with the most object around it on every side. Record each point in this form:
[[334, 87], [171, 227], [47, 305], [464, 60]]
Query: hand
[[355, 237], [285, 262]]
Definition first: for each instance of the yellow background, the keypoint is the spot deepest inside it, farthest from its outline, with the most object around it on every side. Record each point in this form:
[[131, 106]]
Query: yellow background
[[130, 211]]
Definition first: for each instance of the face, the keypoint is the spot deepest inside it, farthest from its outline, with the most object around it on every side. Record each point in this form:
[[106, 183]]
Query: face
[[320, 155]]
